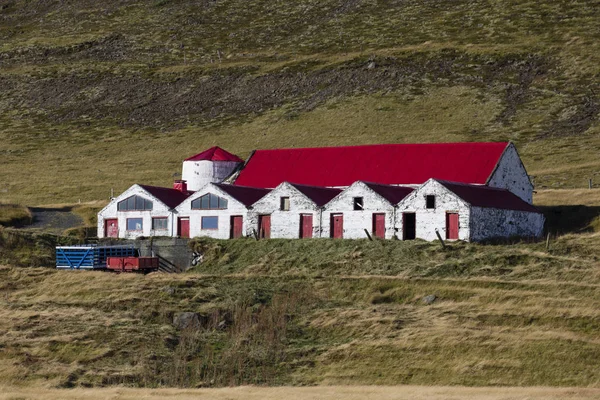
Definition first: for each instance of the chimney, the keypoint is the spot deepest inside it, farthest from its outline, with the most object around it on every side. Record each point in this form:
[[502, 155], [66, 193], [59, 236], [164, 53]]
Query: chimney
[[180, 185]]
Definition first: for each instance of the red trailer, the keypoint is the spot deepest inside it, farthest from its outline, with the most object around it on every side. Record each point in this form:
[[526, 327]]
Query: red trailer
[[132, 264]]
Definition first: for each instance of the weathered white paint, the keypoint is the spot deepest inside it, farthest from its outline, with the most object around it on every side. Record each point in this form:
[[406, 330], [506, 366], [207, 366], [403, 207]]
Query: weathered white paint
[[355, 222], [428, 220], [490, 223], [234, 208], [510, 174], [285, 224], [200, 173], [475, 223], [159, 209]]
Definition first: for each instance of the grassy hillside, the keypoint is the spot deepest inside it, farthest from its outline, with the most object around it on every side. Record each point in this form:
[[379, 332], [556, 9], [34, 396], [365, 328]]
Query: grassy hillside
[[100, 95], [314, 312]]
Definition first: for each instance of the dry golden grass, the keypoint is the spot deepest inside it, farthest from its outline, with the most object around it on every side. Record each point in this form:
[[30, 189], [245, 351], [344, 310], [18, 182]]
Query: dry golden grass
[[308, 393]]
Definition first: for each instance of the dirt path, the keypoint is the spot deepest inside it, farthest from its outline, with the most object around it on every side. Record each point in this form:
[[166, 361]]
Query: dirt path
[[309, 393], [54, 220]]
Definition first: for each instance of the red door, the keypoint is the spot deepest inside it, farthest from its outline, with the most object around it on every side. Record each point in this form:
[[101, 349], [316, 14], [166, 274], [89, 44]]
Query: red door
[[264, 226], [337, 226], [111, 228], [183, 227], [452, 226], [379, 225], [306, 226], [236, 226]]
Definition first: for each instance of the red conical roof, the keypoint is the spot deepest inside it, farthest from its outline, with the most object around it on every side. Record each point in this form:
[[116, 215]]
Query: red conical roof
[[215, 154]]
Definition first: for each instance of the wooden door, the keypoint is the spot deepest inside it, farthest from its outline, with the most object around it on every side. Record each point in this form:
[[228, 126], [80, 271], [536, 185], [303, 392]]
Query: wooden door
[[237, 222], [409, 226], [306, 226], [111, 228], [264, 227], [379, 225], [183, 227], [452, 226], [337, 226]]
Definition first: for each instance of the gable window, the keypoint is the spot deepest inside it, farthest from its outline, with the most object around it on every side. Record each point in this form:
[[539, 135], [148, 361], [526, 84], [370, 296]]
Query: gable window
[[284, 204], [209, 202], [430, 201], [358, 203], [135, 224], [134, 203], [209, 222], [160, 224]]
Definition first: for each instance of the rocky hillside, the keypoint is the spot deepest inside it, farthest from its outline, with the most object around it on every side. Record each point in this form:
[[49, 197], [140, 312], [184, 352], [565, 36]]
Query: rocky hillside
[[98, 95]]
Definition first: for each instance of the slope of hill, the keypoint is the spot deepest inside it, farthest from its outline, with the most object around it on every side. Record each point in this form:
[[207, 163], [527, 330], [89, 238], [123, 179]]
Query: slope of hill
[[99, 95]]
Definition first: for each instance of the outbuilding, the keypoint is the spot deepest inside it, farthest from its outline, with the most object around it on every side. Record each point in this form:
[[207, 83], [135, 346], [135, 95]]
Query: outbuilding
[[466, 212], [291, 211], [142, 210], [363, 206], [217, 210]]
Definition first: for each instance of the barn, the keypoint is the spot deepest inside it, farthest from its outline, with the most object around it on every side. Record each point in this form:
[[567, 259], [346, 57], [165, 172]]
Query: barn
[[363, 206], [466, 212], [291, 211], [142, 210], [467, 191], [217, 210]]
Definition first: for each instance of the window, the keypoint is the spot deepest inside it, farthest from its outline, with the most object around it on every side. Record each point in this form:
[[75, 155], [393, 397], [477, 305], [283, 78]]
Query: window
[[209, 202], [160, 223], [134, 224], [358, 204], [134, 203], [284, 204], [430, 201], [209, 223]]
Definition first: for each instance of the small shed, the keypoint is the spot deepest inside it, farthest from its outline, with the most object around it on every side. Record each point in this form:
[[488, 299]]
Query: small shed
[[291, 211], [461, 211], [363, 205], [142, 210], [217, 210]]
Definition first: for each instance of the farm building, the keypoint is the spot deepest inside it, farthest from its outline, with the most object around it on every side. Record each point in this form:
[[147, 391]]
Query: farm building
[[466, 212], [291, 211], [142, 210], [362, 206], [217, 210], [467, 191]]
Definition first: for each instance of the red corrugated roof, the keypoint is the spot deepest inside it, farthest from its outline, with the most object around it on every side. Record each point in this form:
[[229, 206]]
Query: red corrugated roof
[[169, 196], [244, 194], [393, 194], [384, 164], [489, 197], [319, 195], [215, 154]]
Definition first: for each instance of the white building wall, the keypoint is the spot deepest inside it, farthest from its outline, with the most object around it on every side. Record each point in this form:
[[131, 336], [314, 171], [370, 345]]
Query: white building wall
[[200, 173], [234, 207], [159, 210], [510, 174], [428, 220], [355, 222], [489, 223], [285, 224]]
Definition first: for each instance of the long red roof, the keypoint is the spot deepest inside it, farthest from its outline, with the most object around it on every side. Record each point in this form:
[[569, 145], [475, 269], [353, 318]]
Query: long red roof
[[383, 164], [215, 154]]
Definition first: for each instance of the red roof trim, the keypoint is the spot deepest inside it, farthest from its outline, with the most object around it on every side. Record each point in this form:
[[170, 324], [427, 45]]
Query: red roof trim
[[215, 154]]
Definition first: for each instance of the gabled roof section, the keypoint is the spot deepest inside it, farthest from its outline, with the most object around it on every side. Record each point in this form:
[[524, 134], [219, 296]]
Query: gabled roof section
[[488, 197], [244, 194], [395, 164], [215, 154], [319, 195], [170, 197], [393, 194]]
